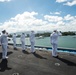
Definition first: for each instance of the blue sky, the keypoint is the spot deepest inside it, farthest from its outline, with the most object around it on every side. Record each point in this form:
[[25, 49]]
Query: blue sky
[[37, 15]]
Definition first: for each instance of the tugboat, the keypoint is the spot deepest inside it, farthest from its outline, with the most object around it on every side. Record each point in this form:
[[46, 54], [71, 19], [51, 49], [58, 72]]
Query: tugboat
[[9, 39], [40, 37]]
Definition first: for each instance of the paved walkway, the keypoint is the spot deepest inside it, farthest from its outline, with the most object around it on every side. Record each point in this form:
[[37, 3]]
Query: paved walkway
[[41, 63]]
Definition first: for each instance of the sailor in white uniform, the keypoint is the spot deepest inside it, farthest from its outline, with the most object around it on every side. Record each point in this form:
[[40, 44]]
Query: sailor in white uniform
[[54, 42], [0, 39], [32, 41], [23, 36], [4, 44], [14, 41]]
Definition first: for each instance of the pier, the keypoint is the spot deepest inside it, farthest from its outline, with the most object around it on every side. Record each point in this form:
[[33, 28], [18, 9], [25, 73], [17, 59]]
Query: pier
[[40, 63]]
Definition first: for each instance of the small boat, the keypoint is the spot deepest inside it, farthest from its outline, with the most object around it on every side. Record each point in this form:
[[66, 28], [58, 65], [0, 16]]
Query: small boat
[[40, 37], [9, 39]]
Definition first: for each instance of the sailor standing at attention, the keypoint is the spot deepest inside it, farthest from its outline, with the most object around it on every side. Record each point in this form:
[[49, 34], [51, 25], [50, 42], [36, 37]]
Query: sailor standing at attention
[[4, 44], [14, 41], [54, 42], [32, 41], [23, 36], [0, 39]]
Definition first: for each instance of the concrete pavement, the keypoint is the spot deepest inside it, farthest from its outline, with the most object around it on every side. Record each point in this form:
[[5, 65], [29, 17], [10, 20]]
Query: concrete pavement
[[40, 63]]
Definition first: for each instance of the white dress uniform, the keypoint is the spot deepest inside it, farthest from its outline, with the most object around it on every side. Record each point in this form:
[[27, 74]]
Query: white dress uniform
[[14, 40], [4, 43], [32, 41], [0, 39], [54, 41], [23, 36]]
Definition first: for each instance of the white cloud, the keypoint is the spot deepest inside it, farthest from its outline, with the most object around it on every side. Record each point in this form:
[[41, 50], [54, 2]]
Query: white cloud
[[60, 1], [67, 2], [5, 0], [53, 18], [29, 21], [66, 23], [69, 17], [24, 22], [56, 13], [71, 3], [60, 23]]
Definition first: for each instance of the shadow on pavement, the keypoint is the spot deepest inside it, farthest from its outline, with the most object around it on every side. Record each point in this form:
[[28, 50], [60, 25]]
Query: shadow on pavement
[[8, 53], [15, 49], [70, 63], [38, 56], [25, 52], [4, 65]]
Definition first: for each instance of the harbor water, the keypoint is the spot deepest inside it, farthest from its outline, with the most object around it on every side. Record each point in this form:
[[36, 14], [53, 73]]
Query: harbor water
[[63, 41]]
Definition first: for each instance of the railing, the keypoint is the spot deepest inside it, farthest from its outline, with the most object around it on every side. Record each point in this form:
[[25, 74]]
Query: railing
[[49, 48]]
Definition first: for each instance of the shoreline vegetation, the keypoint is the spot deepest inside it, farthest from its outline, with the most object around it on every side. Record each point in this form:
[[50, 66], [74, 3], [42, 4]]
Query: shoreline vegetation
[[47, 34]]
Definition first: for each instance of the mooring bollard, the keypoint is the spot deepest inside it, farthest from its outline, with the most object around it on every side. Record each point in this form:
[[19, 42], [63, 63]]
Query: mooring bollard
[[15, 74]]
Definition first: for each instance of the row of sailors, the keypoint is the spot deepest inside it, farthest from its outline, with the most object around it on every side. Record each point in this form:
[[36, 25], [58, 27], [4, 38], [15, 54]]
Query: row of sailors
[[22, 38], [4, 42]]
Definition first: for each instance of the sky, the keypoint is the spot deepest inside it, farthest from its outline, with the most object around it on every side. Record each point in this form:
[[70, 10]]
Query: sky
[[37, 15]]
